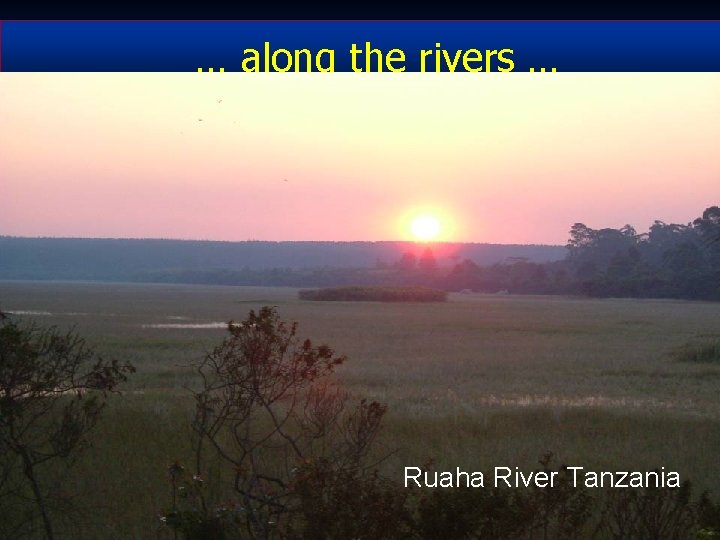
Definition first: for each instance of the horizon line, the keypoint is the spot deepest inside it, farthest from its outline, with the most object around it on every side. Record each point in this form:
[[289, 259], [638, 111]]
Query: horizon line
[[168, 239]]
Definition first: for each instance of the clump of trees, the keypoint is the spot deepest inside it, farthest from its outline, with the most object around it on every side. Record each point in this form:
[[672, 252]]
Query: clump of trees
[[516, 275], [375, 294], [409, 262], [53, 388], [668, 261]]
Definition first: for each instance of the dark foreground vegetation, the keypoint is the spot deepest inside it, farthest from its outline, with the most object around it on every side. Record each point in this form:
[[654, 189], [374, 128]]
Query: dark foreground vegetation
[[53, 388], [280, 450], [374, 294]]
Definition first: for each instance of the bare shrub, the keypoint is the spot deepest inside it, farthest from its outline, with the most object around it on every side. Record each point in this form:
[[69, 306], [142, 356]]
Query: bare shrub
[[295, 448], [53, 388]]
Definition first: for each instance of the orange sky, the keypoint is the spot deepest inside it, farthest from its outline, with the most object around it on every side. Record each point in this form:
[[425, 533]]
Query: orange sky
[[510, 158]]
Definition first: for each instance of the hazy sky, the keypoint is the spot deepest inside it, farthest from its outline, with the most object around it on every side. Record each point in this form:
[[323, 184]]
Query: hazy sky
[[512, 158]]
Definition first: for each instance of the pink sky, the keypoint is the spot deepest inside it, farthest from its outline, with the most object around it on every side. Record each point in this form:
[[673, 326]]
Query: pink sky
[[509, 158]]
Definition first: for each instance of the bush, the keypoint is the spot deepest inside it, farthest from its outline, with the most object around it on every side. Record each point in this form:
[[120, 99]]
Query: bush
[[650, 513], [53, 388], [374, 294], [290, 439]]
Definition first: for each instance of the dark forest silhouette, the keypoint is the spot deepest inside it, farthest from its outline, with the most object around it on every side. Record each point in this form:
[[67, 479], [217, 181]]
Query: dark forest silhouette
[[668, 261]]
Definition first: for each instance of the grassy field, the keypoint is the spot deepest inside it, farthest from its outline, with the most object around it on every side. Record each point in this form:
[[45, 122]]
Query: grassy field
[[475, 382]]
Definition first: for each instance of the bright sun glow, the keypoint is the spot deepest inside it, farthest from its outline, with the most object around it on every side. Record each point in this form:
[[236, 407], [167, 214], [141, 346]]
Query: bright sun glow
[[425, 228]]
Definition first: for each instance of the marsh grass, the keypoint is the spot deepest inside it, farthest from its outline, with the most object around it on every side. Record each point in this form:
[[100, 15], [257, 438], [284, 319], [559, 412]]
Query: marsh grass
[[476, 382], [704, 353]]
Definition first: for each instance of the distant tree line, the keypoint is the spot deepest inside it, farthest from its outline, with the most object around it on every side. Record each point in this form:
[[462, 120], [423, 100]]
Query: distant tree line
[[105, 259], [668, 261]]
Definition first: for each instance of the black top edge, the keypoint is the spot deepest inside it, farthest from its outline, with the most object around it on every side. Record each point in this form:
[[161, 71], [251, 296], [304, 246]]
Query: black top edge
[[348, 11]]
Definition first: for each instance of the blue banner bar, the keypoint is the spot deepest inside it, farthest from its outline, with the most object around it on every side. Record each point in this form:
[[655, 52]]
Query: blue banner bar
[[155, 46]]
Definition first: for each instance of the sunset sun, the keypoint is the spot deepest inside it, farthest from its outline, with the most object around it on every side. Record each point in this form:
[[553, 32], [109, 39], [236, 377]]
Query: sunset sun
[[425, 228]]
